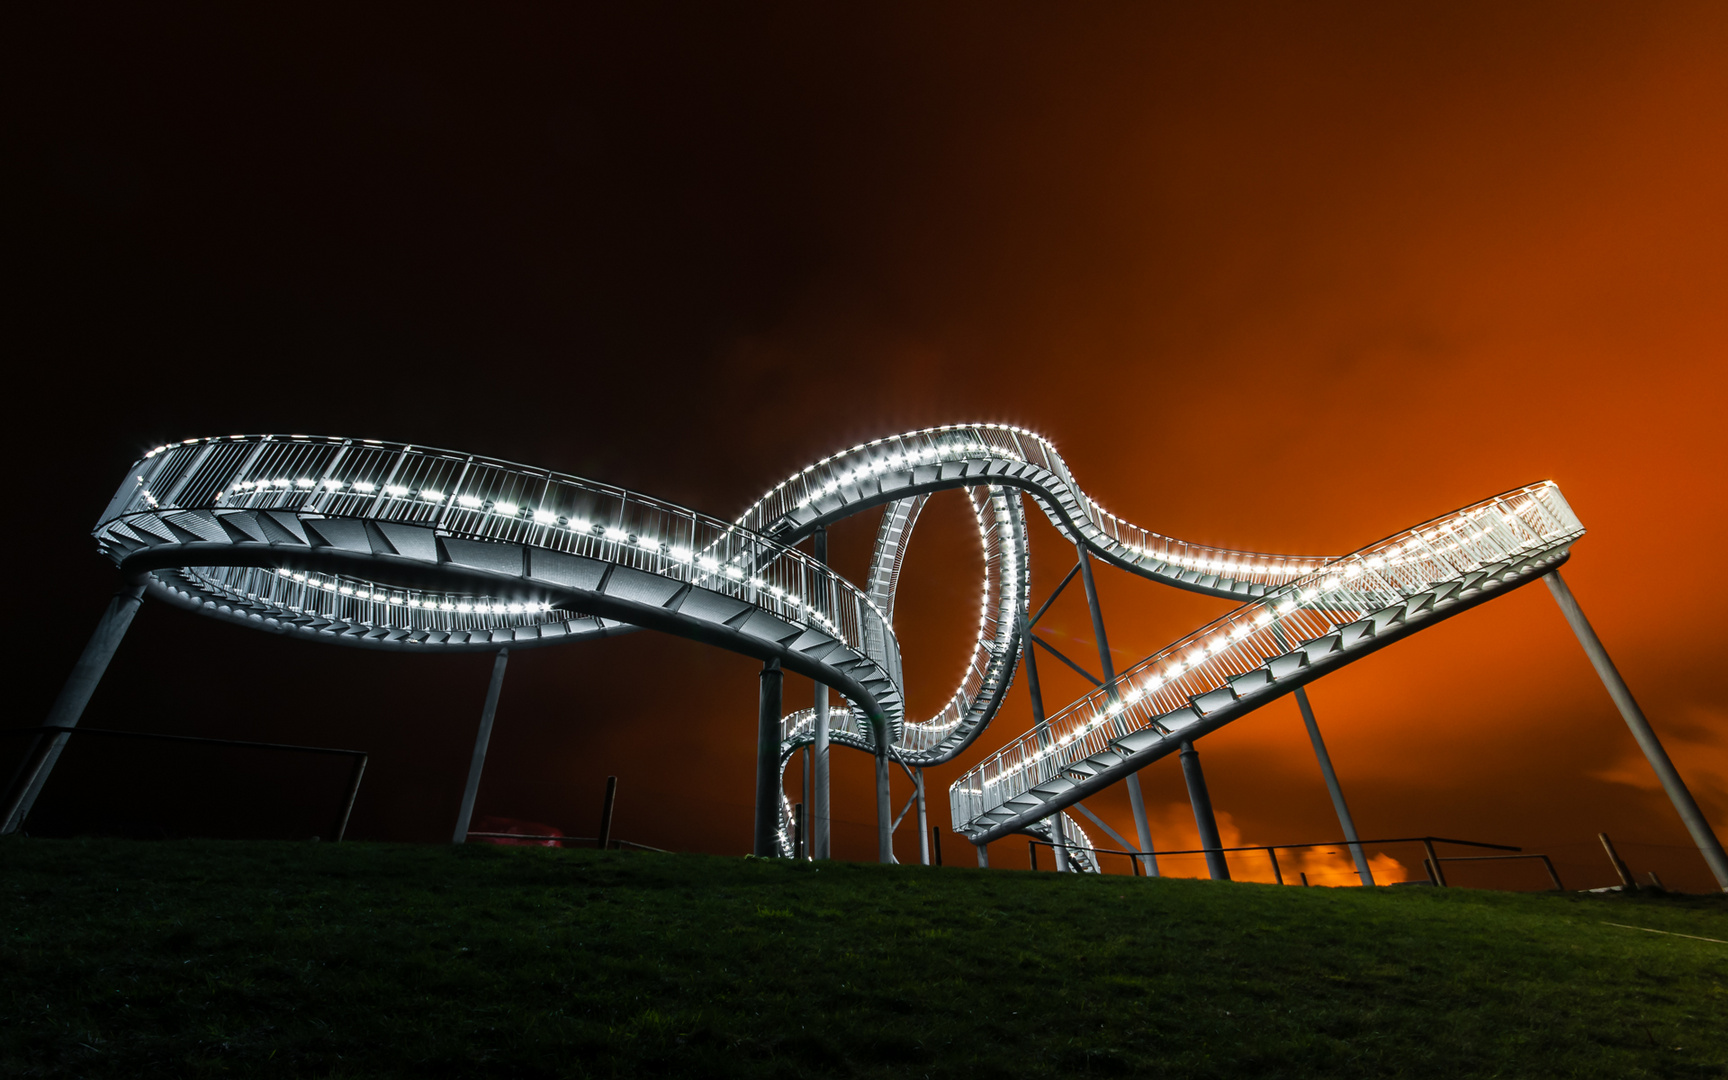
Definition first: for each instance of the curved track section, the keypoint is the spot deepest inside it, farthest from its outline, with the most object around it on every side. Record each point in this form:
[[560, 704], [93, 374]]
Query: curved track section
[[965, 455], [388, 546]]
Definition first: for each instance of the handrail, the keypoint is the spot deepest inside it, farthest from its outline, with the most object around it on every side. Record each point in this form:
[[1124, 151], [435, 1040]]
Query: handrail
[[191, 506], [473, 498], [1163, 694], [1326, 843]]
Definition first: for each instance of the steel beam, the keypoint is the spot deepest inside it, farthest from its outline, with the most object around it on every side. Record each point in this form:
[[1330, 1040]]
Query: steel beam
[[478, 761], [69, 706], [884, 812], [1216, 866], [1036, 694], [1678, 793], [819, 818], [768, 760], [1339, 806], [1059, 842], [1345, 821], [923, 822], [1136, 798], [1137, 804], [1218, 718]]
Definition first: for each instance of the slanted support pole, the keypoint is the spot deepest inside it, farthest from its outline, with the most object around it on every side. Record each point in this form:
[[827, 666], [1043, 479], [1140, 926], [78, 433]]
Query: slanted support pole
[[68, 707], [1345, 821], [604, 840], [478, 761], [818, 800], [1678, 794], [1104, 661], [1202, 802], [768, 760], [1136, 800], [983, 856]]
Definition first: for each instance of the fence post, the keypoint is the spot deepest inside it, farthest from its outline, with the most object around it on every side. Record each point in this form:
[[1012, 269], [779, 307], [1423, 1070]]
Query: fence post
[[605, 837], [1550, 865], [1620, 866], [1437, 875], [354, 776]]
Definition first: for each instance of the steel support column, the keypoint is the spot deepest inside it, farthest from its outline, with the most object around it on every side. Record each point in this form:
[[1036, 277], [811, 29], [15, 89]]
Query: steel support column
[[1330, 775], [817, 814], [478, 761], [923, 821], [1345, 821], [68, 707], [1136, 800], [1039, 723], [983, 856], [1209, 839], [1137, 804], [884, 812], [802, 848], [1687, 807], [768, 760]]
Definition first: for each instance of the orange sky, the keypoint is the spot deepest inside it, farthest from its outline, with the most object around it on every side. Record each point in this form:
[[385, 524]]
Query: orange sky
[[1279, 279]]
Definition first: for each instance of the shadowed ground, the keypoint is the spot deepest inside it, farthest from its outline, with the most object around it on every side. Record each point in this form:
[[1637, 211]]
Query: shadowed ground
[[205, 958]]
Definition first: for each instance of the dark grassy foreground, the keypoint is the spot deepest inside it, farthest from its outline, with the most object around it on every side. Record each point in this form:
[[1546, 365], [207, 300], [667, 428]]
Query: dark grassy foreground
[[252, 959]]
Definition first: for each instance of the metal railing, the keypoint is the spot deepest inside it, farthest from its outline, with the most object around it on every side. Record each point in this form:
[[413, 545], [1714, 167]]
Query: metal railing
[[210, 487], [1431, 860], [1159, 693], [33, 759], [467, 497], [1034, 462], [562, 841]]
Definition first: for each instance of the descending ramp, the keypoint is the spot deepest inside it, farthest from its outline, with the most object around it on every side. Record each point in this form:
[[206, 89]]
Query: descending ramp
[[1266, 649], [393, 546]]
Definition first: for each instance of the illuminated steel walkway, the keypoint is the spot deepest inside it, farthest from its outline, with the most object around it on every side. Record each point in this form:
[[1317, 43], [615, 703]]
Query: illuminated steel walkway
[[389, 546]]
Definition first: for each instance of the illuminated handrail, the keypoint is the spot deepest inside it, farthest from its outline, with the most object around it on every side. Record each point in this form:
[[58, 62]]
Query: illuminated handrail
[[210, 489], [474, 498], [1159, 693], [890, 461]]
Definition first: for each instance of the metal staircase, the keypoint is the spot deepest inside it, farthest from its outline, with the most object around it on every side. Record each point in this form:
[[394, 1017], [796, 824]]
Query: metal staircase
[[392, 546]]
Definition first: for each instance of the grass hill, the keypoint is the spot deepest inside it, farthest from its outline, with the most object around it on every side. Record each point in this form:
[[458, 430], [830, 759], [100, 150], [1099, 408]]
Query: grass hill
[[203, 958]]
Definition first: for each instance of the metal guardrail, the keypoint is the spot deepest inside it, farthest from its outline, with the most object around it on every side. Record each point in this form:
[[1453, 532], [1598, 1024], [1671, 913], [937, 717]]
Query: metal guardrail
[[564, 841], [1163, 693], [34, 757], [468, 497], [1431, 861], [213, 488]]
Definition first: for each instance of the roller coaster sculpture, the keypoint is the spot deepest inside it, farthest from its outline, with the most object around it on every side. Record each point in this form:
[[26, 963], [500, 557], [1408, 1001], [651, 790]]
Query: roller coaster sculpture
[[387, 546]]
